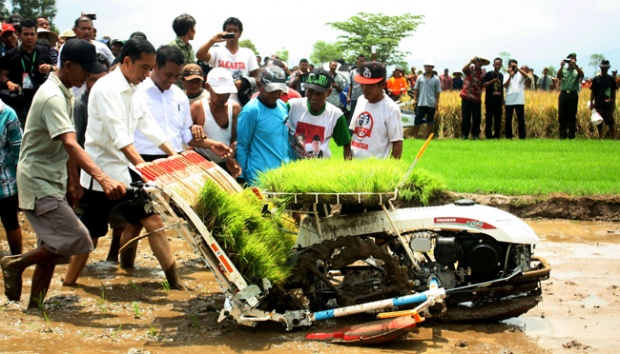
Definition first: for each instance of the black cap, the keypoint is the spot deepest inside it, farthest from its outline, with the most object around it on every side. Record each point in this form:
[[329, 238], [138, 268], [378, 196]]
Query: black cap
[[370, 73], [82, 52], [15, 19], [319, 80], [605, 63], [137, 34]]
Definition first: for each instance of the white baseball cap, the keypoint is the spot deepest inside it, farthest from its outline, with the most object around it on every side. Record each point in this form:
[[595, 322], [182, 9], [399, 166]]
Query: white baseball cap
[[429, 62], [221, 81]]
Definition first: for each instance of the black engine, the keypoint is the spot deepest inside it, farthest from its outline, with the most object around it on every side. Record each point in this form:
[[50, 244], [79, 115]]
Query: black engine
[[483, 255]]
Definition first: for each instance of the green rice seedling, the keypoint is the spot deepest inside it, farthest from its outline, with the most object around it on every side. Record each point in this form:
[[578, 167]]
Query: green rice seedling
[[252, 240], [195, 322], [102, 304], [136, 309], [331, 176], [152, 331], [40, 299], [135, 286], [165, 285]]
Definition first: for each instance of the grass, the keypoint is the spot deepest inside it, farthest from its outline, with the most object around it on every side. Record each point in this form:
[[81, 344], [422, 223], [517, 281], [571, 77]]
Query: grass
[[526, 167]]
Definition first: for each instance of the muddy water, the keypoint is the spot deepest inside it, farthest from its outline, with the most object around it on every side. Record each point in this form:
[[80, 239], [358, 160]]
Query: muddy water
[[113, 310]]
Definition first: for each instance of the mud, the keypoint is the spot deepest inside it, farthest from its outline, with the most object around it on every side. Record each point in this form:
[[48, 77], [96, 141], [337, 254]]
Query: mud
[[553, 206], [117, 311]]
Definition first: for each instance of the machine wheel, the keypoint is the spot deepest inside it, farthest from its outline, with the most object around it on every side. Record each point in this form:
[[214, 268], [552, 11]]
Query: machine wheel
[[334, 273]]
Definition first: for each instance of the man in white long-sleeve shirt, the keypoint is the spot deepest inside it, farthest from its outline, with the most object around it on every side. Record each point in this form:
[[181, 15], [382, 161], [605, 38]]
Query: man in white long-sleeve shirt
[[115, 112], [170, 108]]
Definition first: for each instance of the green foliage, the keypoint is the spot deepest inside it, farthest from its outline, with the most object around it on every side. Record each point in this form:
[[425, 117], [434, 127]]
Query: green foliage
[[253, 241], [34, 8], [365, 30], [4, 12], [323, 52], [377, 176], [505, 57], [282, 54], [595, 60], [246, 43], [552, 70]]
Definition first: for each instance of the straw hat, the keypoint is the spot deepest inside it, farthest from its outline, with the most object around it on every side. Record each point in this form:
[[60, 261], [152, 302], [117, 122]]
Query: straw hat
[[68, 34], [483, 61], [51, 36]]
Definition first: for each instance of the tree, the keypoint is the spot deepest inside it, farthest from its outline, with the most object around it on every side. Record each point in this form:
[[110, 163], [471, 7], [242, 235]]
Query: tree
[[282, 54], [595, 60], [505, 57], [366, 30], [4, 12], [552, 70], [323, 52], [34, 8], [246, 43]]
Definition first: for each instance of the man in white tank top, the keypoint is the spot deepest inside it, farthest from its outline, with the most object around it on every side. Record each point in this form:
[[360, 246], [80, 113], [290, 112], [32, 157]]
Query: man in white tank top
[[217, 115]]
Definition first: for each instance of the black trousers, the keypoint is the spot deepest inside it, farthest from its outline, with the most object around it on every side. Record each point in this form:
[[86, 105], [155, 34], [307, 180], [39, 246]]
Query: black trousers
[[520, 110], [471, 118], [567, 113], [493, 124]]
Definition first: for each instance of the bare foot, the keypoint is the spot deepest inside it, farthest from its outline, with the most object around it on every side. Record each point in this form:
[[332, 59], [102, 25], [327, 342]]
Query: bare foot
[[12, 277]]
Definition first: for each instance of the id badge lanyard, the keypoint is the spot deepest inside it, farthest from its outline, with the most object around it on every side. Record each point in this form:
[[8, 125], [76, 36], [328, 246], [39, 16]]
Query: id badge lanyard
[[27, 81]]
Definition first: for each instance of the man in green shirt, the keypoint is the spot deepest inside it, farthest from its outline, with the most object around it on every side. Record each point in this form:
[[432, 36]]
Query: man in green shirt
[[50, 149], [184, 27], [569, 95]]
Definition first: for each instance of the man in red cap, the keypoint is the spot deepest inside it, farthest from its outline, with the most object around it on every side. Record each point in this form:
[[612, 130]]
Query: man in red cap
[[9, 38], [49, 144], [376, 123]]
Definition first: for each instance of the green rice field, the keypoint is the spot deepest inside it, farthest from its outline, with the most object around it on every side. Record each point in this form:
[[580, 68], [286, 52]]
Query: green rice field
[[520, 167]]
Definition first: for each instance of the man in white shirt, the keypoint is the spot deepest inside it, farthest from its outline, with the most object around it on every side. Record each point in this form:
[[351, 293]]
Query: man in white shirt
[[514, 83], [376, 123], [170, 108], [115, 112], [83, 28], [240, 61]]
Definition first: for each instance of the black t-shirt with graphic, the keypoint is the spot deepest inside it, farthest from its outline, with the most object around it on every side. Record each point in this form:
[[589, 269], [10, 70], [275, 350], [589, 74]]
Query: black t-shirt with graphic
[[495, 92]]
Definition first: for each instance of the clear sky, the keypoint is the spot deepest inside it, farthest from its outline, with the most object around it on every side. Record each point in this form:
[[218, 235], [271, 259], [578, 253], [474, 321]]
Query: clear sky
[[535, 32]]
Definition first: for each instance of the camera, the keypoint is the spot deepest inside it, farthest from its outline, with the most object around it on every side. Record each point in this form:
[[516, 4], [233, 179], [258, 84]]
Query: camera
[[89, 15], [228, 36], [566, 61], [18, 94]]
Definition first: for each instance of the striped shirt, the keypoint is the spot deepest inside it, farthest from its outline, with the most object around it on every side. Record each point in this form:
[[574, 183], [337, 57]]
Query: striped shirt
[[10, 143]]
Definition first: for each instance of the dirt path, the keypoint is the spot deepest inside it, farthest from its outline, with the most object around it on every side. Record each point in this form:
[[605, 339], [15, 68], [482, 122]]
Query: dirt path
[[113, 310]]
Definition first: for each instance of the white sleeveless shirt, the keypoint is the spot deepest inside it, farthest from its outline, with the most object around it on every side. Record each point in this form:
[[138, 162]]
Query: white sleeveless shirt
[[214, 131]]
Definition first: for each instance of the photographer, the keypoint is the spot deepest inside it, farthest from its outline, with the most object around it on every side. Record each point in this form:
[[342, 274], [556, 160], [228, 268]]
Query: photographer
[[241, 62], [570, 75], [515, 97], [24, 69]]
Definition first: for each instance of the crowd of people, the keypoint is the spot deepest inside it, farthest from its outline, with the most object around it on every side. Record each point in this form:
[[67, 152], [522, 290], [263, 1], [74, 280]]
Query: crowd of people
[[505, 91], [79, 116]]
